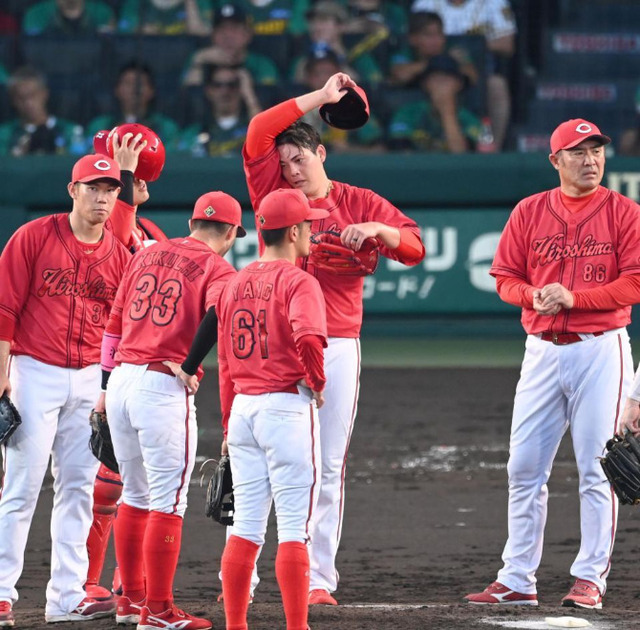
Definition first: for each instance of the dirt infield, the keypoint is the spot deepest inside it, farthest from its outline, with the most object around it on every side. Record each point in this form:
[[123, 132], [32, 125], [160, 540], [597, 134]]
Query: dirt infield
[[425, 519]]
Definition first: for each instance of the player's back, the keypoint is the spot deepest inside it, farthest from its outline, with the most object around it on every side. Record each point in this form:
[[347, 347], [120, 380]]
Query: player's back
[[166, 292], [262, 311]]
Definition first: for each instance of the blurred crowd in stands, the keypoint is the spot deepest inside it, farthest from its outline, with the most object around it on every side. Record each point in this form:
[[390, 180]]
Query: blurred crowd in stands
[[442, 75]]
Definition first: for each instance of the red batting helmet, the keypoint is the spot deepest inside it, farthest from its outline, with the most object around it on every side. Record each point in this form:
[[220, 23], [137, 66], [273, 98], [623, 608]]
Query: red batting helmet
[[151, 159], [350, 112]]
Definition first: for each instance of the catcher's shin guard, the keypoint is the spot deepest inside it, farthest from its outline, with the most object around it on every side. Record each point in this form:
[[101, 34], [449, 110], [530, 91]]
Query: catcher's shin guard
[[106, 494]]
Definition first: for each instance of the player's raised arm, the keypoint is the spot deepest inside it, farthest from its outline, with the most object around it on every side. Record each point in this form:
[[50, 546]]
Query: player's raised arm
[[265, 126]]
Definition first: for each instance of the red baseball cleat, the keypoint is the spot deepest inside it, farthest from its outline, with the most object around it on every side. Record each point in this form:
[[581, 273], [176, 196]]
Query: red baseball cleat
[[95, 591], [7, 619], [171, 619], [320, 596], [497, 593], [128, 612], [87, 609], [583, 594]]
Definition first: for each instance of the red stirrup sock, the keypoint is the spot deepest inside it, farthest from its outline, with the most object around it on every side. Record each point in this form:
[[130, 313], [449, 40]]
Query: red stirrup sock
[[238, 559], [129, 527], [292, 572], [161, 550]]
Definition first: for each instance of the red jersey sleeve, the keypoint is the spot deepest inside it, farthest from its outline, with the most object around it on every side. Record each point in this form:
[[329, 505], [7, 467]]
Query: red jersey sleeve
[[511, 255], [224, 273], [265, 126], [623, 291], [383, 211], [515, 291], [312, 358], [628, 247], [306, 307], [16, 269], [123, 222]]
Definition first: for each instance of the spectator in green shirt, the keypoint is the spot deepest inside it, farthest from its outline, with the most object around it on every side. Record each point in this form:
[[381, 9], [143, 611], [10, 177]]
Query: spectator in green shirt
[[232, 104], [367, 139], [426, 40], [230, 41], [135, 95], [274, 17], [166, 17], [327, 19], [36, 130], [437, 122], [69, 17]]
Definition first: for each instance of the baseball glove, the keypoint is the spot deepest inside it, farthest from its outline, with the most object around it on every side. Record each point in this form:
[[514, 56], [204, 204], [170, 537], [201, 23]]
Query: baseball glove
[[219, 502], [100, 441], [9, 418], [328, 253], [621, 465]]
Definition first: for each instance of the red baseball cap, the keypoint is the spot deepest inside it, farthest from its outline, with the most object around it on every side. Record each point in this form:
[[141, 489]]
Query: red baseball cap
[[286, 207], [91, 168], [572, 132], [218, 206]]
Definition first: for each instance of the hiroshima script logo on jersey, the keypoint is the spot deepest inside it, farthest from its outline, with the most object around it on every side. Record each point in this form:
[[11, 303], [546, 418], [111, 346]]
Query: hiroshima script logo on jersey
[[552, 249], [61, 282]]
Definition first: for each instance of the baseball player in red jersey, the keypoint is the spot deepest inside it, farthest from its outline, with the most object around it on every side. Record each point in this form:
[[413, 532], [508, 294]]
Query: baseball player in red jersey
[[272, 330], [570, 257], [135, 233], [59, 276], [164, 295], [282, 152]]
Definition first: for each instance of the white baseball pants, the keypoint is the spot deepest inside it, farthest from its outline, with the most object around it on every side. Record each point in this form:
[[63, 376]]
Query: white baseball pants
[[55, 404], [337, 417], [155, 436], [274, 451], [582, 387]]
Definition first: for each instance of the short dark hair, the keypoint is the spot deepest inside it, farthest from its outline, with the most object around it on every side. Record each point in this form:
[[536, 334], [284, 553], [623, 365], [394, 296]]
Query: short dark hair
[[138, 67], [422, 19], [301, 135], [26, 73], [273, 237], [218, 227]]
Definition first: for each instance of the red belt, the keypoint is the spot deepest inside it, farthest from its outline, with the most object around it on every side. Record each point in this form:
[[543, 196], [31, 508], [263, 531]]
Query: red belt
[[564, 339], [160, 367]]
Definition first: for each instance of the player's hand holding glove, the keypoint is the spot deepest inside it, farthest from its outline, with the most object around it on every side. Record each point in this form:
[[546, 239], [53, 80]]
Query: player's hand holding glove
[[621, 465], [329, 253], [220, 503], [9, 418], [100, 441]]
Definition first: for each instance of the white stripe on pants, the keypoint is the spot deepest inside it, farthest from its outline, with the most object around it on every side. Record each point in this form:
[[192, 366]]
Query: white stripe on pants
[[55, 404]]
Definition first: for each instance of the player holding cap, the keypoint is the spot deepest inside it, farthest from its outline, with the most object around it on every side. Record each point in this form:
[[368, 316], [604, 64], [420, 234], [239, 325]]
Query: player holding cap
[[570, 257], [272, 329], [140, 154], [164, 295], [282, 152], [59, 276]]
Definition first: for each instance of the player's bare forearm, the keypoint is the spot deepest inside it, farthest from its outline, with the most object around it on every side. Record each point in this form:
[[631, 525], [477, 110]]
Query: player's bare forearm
[[5, 385], [356, 234]]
